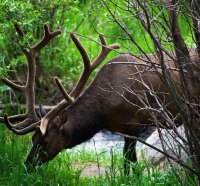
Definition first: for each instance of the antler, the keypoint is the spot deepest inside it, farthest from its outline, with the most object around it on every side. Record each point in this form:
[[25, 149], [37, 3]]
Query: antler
[[69, 98], [88, 68], [88, 65], [30, 119]]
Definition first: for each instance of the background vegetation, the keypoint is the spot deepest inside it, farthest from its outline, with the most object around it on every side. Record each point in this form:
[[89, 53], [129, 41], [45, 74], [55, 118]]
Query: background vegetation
[[61, 58]]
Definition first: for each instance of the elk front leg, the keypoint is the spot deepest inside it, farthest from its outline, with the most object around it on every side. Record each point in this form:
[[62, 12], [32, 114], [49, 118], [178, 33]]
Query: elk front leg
[[129, 153]]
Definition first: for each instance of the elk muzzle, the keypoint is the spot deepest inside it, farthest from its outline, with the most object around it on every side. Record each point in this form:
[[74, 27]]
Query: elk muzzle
[[36, 157]]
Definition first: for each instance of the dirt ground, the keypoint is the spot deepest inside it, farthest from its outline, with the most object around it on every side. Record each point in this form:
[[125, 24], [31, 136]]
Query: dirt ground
[[90, 170]]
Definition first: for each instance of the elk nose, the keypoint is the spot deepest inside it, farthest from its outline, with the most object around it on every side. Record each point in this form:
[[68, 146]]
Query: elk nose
[[29, 166], [31, 163]]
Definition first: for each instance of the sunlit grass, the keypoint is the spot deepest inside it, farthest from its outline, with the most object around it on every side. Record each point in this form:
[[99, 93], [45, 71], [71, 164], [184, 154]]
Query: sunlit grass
[[62, 170]]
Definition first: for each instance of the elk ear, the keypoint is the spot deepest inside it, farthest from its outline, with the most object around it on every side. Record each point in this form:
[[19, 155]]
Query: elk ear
[[42, 111]]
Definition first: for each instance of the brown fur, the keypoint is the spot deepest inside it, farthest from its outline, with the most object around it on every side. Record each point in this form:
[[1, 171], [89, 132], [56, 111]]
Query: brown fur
[[106, 104]]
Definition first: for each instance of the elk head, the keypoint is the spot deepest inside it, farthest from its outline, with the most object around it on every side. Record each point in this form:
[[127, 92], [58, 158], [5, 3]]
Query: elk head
[[49, 129]]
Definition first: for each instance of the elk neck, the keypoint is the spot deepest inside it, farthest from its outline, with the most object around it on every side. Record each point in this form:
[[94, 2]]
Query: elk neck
[[98, 106], [84, 121]]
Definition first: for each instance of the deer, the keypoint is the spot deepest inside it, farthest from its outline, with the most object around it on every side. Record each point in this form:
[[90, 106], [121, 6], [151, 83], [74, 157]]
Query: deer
[[112, 101]]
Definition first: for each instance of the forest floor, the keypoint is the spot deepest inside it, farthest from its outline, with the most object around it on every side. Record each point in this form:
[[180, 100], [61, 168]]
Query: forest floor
[[91, 169]]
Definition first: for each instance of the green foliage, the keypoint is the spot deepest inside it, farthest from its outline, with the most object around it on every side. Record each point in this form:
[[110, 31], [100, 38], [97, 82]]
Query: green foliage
[[62, 170], [61, 58]]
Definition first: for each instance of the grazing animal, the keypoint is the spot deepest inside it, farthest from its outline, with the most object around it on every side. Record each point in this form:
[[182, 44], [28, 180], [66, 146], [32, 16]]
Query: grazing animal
[[114, 100]]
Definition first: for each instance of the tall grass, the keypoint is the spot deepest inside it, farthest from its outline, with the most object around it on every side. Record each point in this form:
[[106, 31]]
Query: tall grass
[[62, 170]]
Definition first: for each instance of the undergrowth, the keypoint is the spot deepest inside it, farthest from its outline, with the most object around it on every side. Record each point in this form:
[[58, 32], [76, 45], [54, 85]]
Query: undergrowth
[[62, 170]]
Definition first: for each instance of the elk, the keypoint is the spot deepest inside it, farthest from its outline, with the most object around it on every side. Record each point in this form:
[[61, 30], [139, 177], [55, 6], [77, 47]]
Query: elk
[[113, 101]]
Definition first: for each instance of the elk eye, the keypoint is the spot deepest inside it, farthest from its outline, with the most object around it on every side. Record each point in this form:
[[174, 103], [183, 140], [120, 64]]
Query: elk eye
[[54, 127], [63, 131]]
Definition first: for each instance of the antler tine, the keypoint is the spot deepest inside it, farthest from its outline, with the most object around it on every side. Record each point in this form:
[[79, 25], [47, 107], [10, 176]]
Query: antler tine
[[46, 39], [26, 122], [86, 59], [87, 67], [14, 86], [104, 52], [27, 129], [14, 118], [67, 97]]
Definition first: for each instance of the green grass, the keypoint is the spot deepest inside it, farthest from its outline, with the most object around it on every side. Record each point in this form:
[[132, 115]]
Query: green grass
[[61, 170], [66, 62]]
